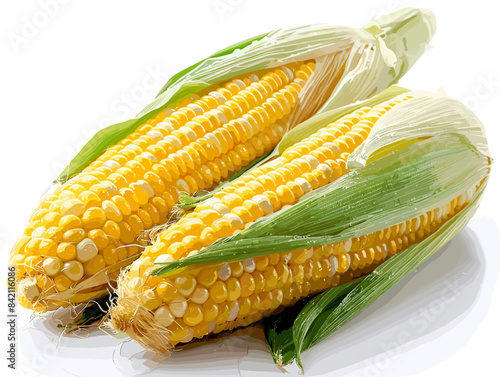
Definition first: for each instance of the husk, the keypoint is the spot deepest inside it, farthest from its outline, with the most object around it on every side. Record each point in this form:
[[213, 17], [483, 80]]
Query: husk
[[425, 115], [330, 310]]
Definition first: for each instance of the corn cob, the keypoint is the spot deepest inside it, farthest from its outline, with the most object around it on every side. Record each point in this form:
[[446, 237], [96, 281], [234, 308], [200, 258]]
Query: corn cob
[[161, 312], [240, 293], [95, 220]]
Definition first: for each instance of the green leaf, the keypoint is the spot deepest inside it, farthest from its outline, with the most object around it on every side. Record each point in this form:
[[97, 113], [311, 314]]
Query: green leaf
[[373, 197], [325, 314], [279, 329], [279, 335]]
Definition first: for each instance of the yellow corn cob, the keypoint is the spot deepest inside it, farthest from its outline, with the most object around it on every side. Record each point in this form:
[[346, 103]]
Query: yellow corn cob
[[93, 223], [218, 298], [160, 312]]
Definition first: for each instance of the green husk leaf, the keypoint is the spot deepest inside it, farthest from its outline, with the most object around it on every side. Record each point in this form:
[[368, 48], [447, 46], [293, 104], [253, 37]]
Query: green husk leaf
[[323, 315], [278, 328], [394, 188], [278, 332], [356, 51], [301, 327]]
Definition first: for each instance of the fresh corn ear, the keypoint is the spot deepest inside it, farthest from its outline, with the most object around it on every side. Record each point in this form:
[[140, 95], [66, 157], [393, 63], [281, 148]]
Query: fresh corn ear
[[93, 223], [209, 122], [301, 223]]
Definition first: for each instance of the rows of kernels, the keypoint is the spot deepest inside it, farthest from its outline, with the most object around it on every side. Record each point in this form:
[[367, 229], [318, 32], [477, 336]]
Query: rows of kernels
[[135, 184], [263, 284], [240, 141], [312, 163]]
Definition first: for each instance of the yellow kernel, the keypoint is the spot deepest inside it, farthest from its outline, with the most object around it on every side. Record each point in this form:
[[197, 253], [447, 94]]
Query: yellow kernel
[[192, 227], [208, 216], [178, 250], [271, 278], [222, 228], [62, 283], [167, 291], [122, 204], [233, 289], [261, 262], [178, 306], [201, 330], [224, 311], [207, 276], [247, 284], [112, 230], [74, 235], [93, 218], [185, 285], [210, 311], [90, 199], [99, 238], [122, 252], [95, 265], [72, 207], [232, 200], [47, 248], [237, 269], [163, 316], [208, 237], [51, 219], [299, 256], [32, 246], [66, 251], [69, 222], [111, 210], [260, 282], [193, 315], [218, 292], [200, 295], [110, 255]]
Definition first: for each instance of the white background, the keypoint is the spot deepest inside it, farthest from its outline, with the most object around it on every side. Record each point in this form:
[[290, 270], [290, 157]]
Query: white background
[[92, 63]]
